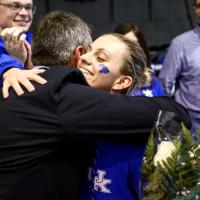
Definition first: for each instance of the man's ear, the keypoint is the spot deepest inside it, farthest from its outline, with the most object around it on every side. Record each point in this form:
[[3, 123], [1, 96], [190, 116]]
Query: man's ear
[[78, 52], [121, 83]]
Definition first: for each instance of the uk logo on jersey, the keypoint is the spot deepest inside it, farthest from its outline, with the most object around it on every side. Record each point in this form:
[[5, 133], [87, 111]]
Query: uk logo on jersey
[[147, 93], [100, 182]]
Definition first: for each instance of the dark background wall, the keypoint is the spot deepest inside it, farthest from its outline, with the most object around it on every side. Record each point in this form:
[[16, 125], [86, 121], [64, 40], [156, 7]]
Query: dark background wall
[[160, 20]]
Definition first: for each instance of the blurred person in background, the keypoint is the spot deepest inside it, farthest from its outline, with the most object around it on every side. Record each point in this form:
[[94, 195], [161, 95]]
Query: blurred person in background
[[16, 17], [180, 74]]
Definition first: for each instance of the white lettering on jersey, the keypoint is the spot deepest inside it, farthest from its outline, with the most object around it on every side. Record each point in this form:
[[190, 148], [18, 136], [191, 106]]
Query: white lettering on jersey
[[100, 182]]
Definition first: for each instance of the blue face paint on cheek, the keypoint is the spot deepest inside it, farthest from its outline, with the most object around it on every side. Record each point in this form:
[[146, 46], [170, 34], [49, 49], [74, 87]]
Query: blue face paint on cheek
[[103, 69]]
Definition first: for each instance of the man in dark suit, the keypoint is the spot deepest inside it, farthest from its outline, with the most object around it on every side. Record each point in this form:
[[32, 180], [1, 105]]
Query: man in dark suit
[[46, 135]]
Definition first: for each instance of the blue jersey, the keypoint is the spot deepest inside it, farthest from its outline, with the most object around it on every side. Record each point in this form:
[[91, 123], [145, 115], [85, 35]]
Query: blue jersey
[[115, 173], [7, 61]]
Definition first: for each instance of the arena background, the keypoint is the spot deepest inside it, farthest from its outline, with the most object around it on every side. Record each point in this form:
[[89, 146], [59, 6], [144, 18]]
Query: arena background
[[160, 20]]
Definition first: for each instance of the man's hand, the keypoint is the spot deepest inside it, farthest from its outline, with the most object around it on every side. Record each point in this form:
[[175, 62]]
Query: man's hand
[[14, 77], [15, 42]]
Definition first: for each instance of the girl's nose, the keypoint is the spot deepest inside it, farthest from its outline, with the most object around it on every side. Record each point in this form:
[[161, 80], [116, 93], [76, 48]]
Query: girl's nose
[[86, 58]]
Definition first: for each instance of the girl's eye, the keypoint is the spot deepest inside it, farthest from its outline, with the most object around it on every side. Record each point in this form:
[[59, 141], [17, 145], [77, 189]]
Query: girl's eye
[[100, 59]]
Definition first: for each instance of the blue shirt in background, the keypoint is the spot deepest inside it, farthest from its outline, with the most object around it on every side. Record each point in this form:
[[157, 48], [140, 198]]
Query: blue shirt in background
[[151, 89], [7, 61]]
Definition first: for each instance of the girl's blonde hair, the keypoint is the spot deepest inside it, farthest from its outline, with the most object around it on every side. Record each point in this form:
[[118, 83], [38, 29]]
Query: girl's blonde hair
[[135, 64]]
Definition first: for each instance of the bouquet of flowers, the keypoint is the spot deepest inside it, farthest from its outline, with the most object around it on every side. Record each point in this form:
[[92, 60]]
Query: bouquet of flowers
[[172, 171]]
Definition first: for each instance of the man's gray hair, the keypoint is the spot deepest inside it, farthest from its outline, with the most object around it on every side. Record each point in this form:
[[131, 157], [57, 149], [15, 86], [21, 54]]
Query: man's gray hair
[[57, 36]]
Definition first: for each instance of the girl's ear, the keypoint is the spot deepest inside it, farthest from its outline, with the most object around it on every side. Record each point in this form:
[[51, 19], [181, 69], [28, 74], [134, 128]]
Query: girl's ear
[[123, 82]]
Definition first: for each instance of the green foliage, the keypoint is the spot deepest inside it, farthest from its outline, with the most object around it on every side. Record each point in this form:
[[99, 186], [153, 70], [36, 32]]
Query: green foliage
[[148, 170], [176, 178]]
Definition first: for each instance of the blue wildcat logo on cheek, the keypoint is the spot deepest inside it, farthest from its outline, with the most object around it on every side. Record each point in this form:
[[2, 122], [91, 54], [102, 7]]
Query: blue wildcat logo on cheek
[[103, 69]]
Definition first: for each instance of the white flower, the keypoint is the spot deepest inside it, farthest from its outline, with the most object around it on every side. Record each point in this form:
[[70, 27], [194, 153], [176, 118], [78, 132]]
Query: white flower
[[183, 163], [165, 148], [191, 154]]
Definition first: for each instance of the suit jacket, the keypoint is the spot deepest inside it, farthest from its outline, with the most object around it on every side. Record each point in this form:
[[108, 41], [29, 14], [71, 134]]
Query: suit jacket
[[45, 139]]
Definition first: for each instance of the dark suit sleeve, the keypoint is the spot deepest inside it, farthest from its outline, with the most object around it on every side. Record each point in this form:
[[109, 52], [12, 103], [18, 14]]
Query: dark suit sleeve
[[86, 112]]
